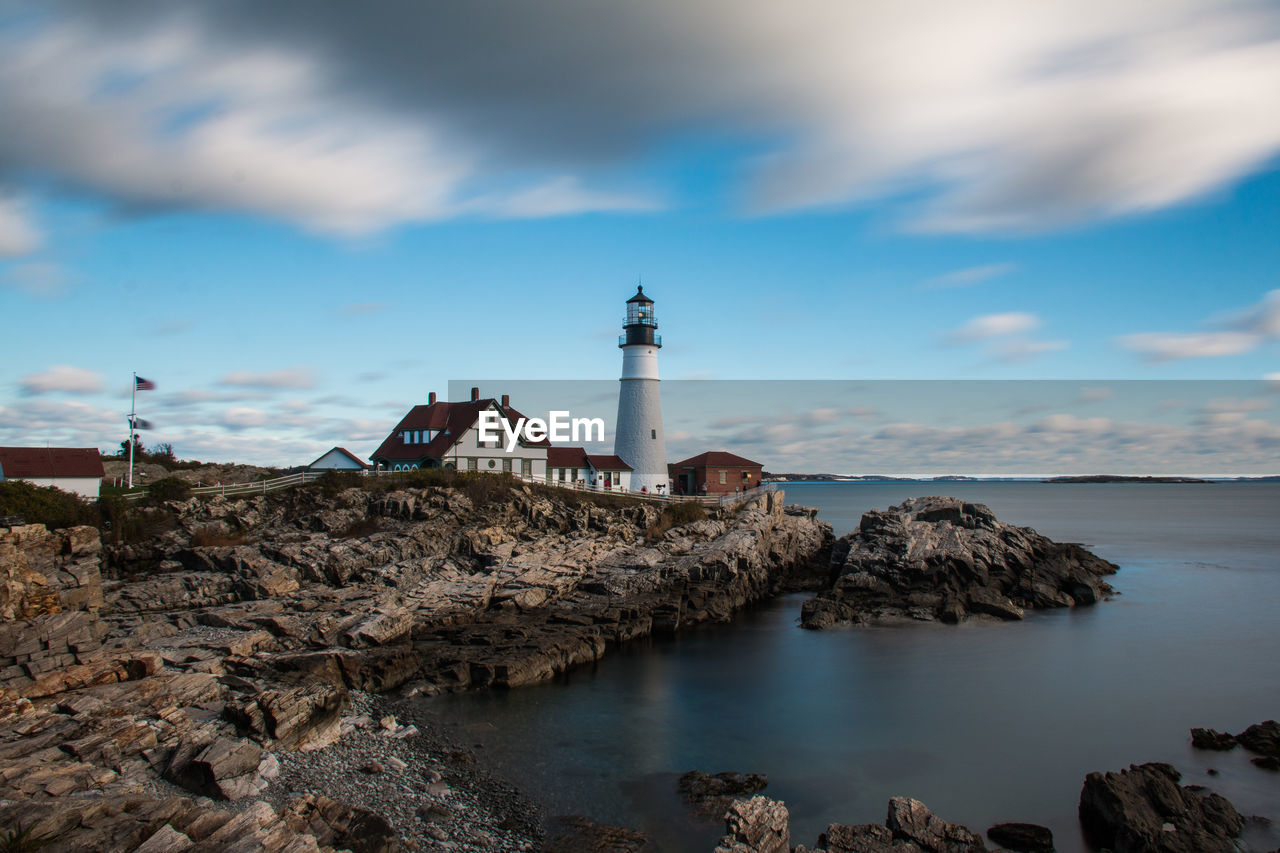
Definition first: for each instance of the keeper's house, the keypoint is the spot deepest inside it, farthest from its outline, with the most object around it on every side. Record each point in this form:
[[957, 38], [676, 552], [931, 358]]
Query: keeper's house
[[72, 469], [447, 435], [715, 473], [339, 459], [576, 465]]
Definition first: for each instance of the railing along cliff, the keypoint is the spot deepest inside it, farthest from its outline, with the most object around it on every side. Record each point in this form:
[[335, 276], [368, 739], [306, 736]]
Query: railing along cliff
[[289, 480]]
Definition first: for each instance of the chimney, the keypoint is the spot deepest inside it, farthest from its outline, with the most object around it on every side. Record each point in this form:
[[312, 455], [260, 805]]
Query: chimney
[[506, 400], [475, 395], [431, 398]]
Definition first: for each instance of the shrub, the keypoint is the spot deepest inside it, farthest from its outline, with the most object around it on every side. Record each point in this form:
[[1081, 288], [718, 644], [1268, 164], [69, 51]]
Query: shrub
[[674, 515], [45, 505], [169, 489], [333, 483], [120, 520]]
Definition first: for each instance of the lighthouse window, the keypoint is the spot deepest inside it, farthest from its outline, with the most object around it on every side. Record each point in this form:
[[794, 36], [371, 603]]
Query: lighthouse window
[[653, 433]]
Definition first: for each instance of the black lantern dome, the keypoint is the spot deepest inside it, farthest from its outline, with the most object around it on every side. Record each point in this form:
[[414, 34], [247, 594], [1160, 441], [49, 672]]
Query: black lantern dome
[[640, 323]]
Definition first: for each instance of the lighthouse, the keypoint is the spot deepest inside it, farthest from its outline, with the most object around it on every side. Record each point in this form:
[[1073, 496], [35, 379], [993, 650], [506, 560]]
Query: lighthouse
[[639, 440]]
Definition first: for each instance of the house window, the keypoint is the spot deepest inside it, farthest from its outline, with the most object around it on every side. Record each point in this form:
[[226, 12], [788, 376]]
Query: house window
[[746, 476], [472, 463], [722, 477], [492, 463], [506, 464], [526, 467]]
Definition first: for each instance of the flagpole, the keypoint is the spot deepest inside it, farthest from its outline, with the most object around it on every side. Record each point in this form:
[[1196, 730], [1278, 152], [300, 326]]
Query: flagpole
[[133, 409]]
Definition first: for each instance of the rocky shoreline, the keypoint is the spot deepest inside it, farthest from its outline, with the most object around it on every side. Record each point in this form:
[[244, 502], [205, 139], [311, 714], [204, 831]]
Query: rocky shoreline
[[208, 686], [944, 559], [244, 677]]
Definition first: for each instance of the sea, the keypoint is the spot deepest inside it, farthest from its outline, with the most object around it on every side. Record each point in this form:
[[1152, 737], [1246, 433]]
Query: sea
[[984, 722]]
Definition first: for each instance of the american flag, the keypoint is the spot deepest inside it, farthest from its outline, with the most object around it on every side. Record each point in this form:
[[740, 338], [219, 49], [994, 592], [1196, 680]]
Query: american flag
[[141, 384], [139, 423]]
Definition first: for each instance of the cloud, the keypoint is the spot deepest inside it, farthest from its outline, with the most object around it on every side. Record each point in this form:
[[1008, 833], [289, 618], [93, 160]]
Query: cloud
[[62, 378], [298, 377], [968, 276], [243, 418], [1017, 350], [994, 326], [1095, 394], [1004, 116], [1164, 346], [18, 234], [1244, 331], [38, 278], [1263, 318]]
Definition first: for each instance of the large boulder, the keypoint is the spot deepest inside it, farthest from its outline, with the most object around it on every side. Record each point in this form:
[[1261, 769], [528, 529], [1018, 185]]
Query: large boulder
[[1145, 810], [756, 825], [940, 558], [909, 828]]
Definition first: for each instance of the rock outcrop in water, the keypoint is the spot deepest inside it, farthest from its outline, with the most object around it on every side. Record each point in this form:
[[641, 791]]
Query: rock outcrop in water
[[1260, 738], [131, 707], [1145, 810], [939, 558]]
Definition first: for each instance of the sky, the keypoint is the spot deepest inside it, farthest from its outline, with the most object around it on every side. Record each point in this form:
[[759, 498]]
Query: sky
[[297, 219]]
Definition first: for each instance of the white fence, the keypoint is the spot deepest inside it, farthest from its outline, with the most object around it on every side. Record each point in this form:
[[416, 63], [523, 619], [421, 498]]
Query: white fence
[[259, 488], [289, 480]]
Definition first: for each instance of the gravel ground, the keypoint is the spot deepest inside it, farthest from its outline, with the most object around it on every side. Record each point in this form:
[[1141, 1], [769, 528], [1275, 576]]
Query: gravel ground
[[426, 786]]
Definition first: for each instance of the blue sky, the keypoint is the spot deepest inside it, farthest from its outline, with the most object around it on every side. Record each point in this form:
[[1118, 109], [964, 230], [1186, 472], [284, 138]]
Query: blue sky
[[298, 224]]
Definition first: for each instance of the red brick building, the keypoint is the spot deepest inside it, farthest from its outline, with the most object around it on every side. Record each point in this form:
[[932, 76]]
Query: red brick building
[[715, 472]]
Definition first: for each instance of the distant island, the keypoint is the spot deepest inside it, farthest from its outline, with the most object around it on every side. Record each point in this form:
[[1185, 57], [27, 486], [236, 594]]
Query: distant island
[[1116, 478]]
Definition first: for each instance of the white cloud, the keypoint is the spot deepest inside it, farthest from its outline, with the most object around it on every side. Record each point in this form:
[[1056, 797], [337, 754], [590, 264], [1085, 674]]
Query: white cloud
[[968, 276], [298, 377], [1095, 394], [1263, 318], [994, 326], [18, 234], [243, 418], [62, 378], [1017, 350], [1165, 346], [1003, 115], [1246, 330]]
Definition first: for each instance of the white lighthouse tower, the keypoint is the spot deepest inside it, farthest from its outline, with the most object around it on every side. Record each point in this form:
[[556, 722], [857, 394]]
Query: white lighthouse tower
[[639, 440]]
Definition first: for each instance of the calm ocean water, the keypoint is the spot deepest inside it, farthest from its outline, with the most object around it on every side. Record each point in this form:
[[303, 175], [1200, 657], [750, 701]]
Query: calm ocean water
[[984, 722]]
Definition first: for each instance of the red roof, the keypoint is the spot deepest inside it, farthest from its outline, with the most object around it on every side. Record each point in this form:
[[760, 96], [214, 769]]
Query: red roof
[[346, 453], [567, 457], [451, 419], [717, 459], [51, 462], [608, 462]]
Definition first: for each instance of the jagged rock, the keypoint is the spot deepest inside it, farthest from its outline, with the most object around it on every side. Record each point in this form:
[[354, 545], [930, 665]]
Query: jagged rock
[[1211, 739], [334, 824], [1145, 809], [711, 794], [1262, 738], [756, 825], [937, 558], [911, 820], [226, 768], [1022, 837], [910, 828]]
